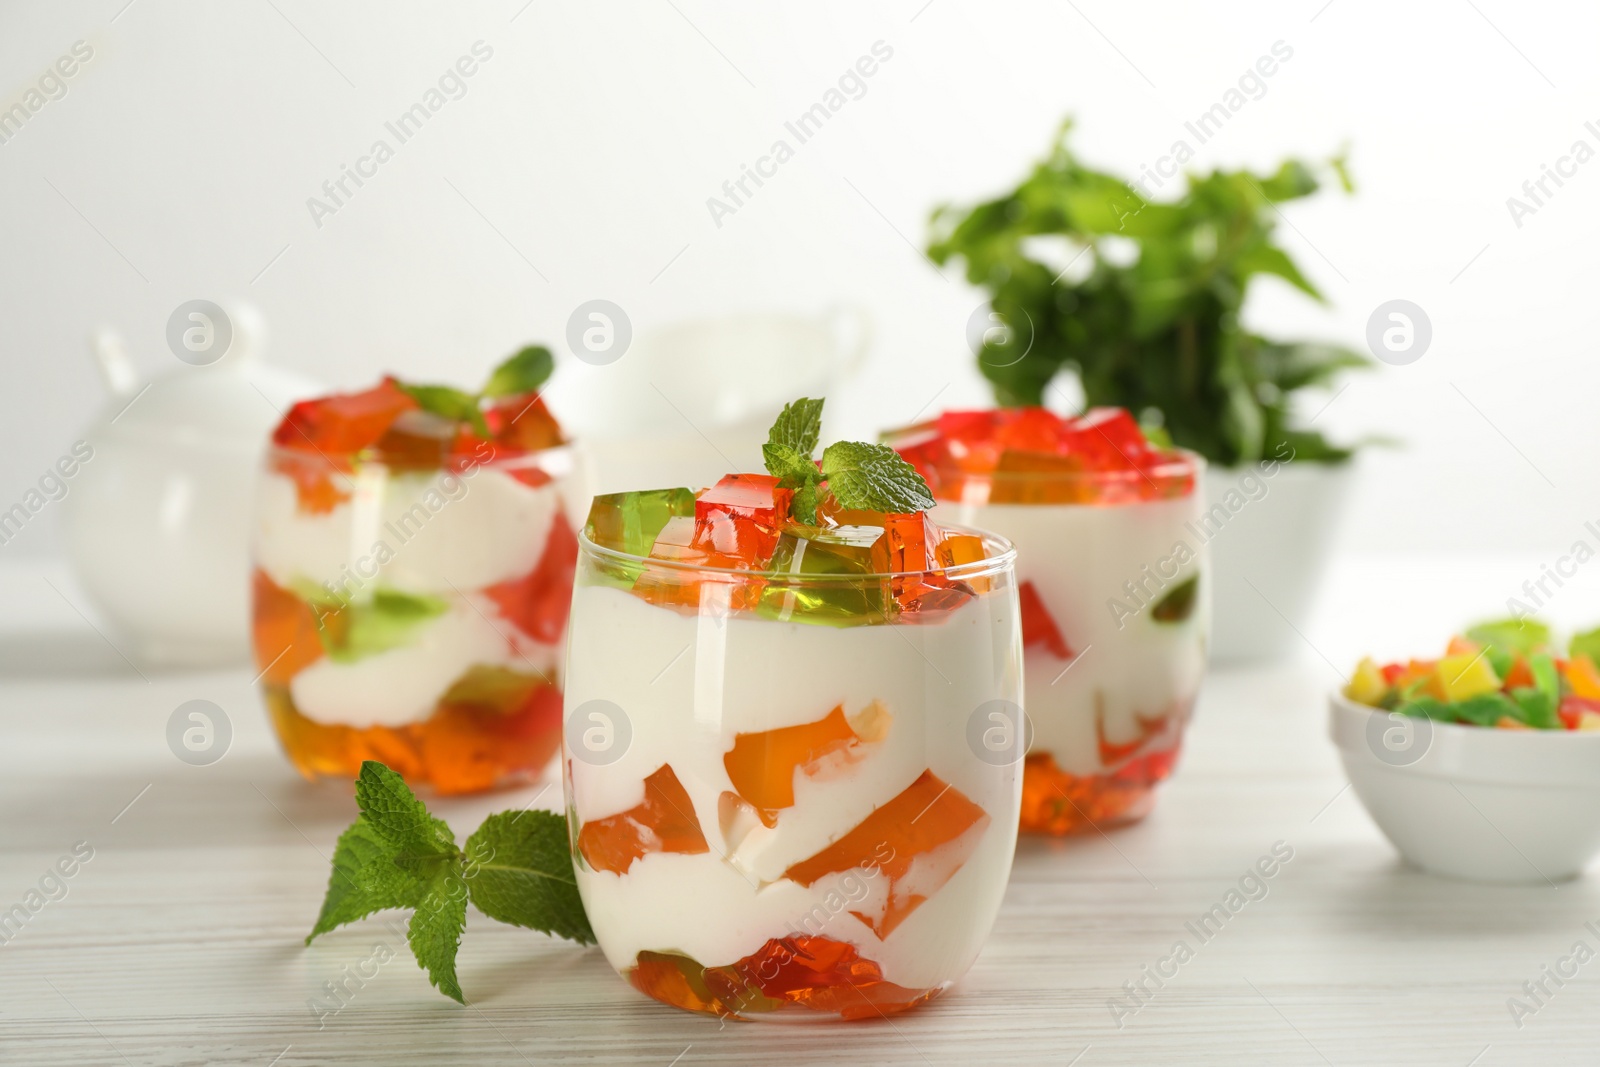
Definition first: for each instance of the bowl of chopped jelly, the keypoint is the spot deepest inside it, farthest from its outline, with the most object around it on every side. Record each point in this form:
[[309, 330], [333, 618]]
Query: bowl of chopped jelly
[[1482, 763]]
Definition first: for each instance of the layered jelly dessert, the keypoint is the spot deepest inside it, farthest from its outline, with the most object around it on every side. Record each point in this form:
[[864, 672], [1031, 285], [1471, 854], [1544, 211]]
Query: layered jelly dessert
[[1110, 565], [414, 553], [1508, 675], [775, 799]]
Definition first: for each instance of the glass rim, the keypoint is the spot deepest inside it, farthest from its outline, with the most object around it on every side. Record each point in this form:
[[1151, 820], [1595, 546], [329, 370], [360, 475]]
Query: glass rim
[[1000, 554], [517, 458]]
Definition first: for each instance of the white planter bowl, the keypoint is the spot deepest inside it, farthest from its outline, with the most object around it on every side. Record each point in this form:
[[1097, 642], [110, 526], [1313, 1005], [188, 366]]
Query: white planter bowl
[[1270, 543], [1486, 805]]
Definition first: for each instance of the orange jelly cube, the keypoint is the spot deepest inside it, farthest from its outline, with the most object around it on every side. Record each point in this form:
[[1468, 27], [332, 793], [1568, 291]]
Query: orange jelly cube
[[1583, 677], [663, 822], [539, 601], [897, 840], [284, 630], [1038, 628], [959, 549], [762, 765]]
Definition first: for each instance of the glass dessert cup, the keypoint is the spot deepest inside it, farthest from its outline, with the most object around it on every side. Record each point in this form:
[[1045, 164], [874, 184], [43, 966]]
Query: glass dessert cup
[[1115, 612], [413, 610], [783, 800]]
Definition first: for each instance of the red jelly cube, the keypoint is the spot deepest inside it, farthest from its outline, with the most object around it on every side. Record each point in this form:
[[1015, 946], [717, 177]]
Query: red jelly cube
[[539, 601], [345, 422], [741, 517], [1031, 429], [917, 842], [1038, 628], [1113, 436], [663, 822]]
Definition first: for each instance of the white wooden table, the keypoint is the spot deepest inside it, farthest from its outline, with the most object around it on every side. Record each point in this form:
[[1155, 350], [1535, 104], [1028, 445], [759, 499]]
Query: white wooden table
[[180, 941]]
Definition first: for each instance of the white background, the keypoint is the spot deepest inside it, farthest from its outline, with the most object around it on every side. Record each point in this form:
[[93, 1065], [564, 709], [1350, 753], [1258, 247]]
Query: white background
[[594, 136]]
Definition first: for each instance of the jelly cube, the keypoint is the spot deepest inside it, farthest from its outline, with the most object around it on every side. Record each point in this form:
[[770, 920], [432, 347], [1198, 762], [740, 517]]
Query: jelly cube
[[321, 483], [523, 423], [1581, 675], [762, 766], [818, 973], [832, 513], [663, 822], [416, 440], [959, 549], [345, 422], [631, 522], [1030, 429], [1469, 675], [1038, 627], [907, 544], [916, 842], [284, 631], [1366, 684], [1036, 478], [1111, 435], [539, 601], [741, 516], [810, 550], [491, 717]]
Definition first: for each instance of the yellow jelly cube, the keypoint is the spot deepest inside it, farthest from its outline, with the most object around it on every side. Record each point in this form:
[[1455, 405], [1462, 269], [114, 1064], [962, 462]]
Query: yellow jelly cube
[[1589, 720], [1366, 684], [1508, 723], [1463, 677]]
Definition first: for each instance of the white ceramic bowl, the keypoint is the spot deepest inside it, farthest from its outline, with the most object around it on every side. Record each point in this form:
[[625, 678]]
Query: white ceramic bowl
[[1472, 802]]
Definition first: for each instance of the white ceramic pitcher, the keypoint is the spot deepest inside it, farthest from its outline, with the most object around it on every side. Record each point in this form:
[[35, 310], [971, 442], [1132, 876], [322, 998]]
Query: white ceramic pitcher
[[158, 521]]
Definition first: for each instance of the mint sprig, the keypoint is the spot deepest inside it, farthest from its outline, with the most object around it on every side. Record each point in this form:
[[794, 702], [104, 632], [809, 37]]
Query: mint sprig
[[516, 868], [860, 476], [523, 372]]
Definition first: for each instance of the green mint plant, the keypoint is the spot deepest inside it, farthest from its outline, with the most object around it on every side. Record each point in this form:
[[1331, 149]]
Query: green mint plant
[[516, 868], [1160, 331], [524, 372], [860, 476]]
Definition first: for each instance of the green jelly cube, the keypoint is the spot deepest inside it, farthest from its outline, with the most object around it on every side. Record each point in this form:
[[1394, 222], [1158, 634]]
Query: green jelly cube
[[840, 551], [631, 522]]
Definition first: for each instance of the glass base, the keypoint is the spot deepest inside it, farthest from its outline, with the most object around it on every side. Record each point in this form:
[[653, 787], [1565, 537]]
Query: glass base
[[455, 750], [795, 977], [1058, 803]]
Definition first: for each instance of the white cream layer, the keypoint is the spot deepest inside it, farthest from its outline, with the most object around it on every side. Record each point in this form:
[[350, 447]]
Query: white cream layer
[[1078, 557]]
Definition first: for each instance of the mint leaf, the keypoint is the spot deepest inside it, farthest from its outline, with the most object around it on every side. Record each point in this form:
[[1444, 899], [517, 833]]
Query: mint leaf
[[524, 372], [799, 426], [520, 867], [397, 817], [448, 402], [517, 868], [795, 468], [804, 506], [435, 931], [364, 880], [870, 477]]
